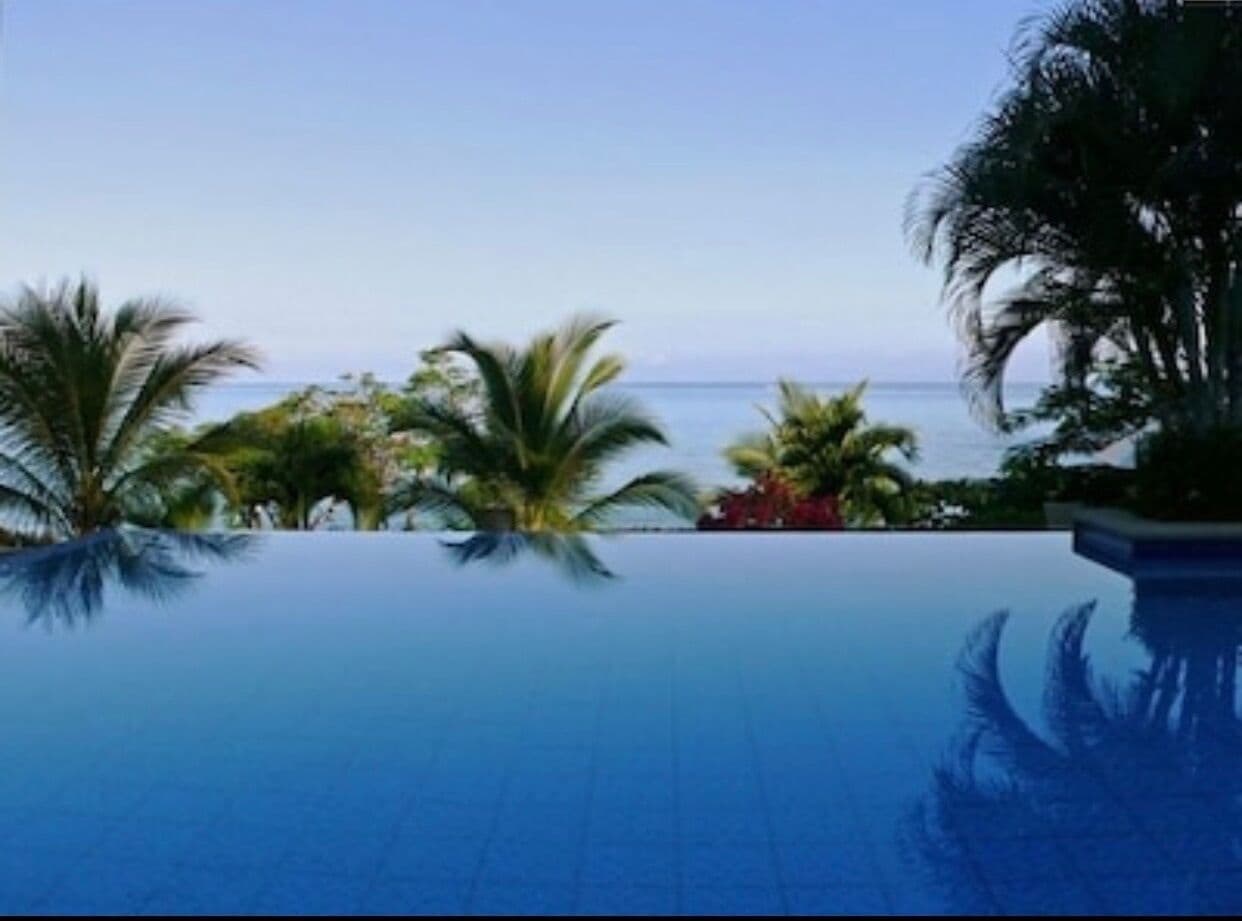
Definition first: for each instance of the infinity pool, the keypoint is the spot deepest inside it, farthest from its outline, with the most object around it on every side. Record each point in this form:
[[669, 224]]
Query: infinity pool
[[689, 724]]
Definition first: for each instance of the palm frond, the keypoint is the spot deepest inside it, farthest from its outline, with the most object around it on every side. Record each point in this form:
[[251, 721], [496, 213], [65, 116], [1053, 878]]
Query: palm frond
[[81, 393], [544, 428], [662, 489], [171, 380], [438, 497], [604, 426], [753, 455]]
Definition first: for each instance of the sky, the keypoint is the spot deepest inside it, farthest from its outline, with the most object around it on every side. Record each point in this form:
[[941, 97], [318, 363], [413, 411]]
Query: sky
[[346, 182]]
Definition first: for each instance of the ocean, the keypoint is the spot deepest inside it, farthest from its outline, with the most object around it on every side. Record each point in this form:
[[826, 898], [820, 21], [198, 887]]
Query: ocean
[[702, 418]]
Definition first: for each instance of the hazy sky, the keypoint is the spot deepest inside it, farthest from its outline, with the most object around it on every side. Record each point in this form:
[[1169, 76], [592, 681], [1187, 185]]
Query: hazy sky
[[344, 182]]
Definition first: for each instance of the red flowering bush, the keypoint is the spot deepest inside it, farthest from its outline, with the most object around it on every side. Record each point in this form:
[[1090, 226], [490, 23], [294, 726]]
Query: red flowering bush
[[771, 503]]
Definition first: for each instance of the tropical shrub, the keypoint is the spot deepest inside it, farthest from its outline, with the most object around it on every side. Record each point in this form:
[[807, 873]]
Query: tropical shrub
[[824, 447], [772, 504], [531, 452], [1016, 497], [85, 396]]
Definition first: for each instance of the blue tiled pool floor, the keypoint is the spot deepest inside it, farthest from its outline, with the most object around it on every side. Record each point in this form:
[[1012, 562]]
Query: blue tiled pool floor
[[772, 725]]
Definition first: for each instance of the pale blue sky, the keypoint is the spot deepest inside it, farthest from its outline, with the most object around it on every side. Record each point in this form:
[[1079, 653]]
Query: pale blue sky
[[345, 181]]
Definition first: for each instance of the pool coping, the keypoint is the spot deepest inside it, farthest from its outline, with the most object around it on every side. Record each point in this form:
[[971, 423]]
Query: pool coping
[[1142, 547]]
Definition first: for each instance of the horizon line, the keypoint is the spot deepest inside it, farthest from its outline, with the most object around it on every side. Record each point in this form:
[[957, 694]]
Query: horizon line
[[722, 384]]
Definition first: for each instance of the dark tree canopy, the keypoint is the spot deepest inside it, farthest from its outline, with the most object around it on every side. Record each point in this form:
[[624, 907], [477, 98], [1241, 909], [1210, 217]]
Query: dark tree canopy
[[1107, 180]]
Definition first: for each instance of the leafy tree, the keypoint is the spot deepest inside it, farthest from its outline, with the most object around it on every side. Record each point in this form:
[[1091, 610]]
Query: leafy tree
[[290, 463], [293, 464], [531, 452], [824, 446], [84, 396], [443, 379]]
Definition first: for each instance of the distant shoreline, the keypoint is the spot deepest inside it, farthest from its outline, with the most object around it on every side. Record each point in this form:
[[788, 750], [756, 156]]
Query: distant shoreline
[[703, 385]]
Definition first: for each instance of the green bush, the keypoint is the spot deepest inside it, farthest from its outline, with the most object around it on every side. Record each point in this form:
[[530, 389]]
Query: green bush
[[1015, 498], [975, 504]]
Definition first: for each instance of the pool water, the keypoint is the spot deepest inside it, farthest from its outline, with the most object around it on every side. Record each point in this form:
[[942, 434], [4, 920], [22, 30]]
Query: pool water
[[693, 724]]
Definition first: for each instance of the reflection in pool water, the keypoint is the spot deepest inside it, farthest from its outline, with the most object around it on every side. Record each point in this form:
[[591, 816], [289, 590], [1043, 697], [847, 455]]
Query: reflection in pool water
[[763, 723], [1130, 795], [568, 553], [68, 583]]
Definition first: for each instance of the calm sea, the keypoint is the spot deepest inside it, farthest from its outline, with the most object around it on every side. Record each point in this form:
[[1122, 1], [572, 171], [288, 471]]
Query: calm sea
[[702, 418]]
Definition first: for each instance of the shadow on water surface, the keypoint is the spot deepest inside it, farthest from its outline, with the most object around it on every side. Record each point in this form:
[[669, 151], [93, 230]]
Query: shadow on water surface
[[1128, 798], [570, 554], [68, 583]]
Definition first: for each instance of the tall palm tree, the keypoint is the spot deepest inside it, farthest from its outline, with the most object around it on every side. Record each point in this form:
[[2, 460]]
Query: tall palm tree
[[532, 452], [1106, 180], [824, 446], [84, 395]]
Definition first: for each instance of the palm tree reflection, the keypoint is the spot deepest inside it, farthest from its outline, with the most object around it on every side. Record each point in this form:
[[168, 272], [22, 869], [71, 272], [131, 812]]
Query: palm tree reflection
[[68, 582], [569, 553], [1130, 798]]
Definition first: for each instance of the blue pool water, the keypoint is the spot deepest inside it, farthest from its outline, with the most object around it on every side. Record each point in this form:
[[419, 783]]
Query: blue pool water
[[653, 723]]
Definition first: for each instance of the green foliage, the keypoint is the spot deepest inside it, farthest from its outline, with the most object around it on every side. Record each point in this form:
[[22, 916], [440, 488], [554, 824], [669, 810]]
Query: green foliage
[[824, 446], [1111, 406], [1106, 180], [440, 378], [85, 398], [189, 501], [1015, 498], [291, 462], [530, 451], [972, 504]]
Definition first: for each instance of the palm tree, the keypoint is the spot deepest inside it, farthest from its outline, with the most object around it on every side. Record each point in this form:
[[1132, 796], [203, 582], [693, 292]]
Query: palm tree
[[84, 396], [530, 454], [1107, 181], [824, 446]]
